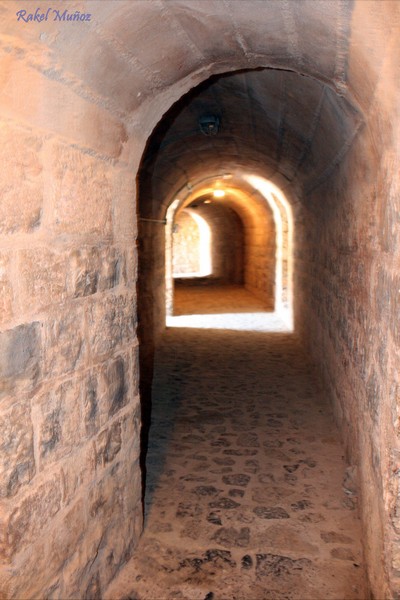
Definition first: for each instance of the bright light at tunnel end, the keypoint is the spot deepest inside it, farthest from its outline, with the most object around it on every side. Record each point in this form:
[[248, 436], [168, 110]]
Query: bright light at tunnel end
[[281, 320], [281, 211]]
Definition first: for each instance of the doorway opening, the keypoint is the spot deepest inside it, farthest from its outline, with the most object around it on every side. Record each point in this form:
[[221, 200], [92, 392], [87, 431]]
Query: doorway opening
[[191, 246], [248, 242]]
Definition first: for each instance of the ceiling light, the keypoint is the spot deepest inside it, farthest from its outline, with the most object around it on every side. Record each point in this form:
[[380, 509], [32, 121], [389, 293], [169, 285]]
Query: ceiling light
[[219, 193]]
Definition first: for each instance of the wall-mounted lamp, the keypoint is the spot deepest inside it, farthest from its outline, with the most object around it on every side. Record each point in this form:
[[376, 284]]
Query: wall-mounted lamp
[[209, 124]]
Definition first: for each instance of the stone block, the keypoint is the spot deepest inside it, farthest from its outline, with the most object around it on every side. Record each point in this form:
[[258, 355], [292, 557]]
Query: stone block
[[79, 568], [52, 591], [108, 444], [112, 268], [31, 578], [106, 497], [113, 443], [43, 277], [57, 416], [93, 588], [395, 310], [373, 392], [124, 208], [20, 358], [107, 62], [17, 462], [131, 264], [21, 205], [30, 518], [115, 550], [163, 57], [115, 382], [112, 323], [131, 423], [69, 534], [106, 392], [96, 269], [77, 472], [206, 21], [84, 122], [135, 370], [94, 556], [93, 413], [81, 193], [6, 289], [133, 495], [64, 347]]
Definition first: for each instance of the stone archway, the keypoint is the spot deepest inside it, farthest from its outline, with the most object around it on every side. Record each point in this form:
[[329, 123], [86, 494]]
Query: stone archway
[[73, 144]]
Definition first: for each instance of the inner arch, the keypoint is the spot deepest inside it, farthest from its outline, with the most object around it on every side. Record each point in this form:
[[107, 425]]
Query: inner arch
[[267, 242]]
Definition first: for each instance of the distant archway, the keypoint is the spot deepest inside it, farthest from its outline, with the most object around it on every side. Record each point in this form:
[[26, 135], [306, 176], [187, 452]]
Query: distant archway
[[191, 246], [252, 198]]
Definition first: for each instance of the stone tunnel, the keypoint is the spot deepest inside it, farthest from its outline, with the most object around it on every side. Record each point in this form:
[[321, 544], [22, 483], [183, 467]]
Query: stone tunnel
[[116, 119]]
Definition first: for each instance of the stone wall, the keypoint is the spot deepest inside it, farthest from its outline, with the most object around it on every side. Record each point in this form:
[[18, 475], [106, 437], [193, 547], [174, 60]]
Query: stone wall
[[151, 308], [227, 241], [186, 245], [347, 309], [77, 104], [69, 401], [260, 256]]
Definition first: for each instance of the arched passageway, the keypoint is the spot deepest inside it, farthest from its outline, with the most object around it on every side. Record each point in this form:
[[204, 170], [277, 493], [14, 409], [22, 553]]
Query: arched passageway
[[251, 246], [305, 95], [232, 428]]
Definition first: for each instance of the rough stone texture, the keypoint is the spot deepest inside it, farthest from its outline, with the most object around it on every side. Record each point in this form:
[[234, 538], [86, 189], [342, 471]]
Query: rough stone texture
[[96, 270], [69, 475], [266, 541], [6, 289], [20, 156], [186, 246], [352, 283], [20, 358], [226, 249], [28, 520], [65, 347], [81, 193], [43, 278], [315, 108], [92, 127], [59, 422], [111, 324], [344, 196], [16, 447]]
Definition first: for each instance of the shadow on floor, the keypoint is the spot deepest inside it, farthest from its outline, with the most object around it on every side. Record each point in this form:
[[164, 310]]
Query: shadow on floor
[[245, 493]]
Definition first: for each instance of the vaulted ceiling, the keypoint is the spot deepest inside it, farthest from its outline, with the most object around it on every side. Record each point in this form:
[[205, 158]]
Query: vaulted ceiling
[[290, 81], [270, 121]]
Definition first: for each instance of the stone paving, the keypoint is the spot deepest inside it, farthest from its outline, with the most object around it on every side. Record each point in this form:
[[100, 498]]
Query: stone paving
[[248, 497]]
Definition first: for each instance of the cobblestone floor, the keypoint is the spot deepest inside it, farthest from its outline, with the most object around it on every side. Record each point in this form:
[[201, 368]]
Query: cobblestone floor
[[245, 494]]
